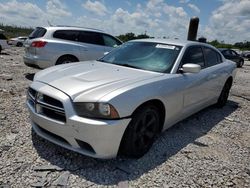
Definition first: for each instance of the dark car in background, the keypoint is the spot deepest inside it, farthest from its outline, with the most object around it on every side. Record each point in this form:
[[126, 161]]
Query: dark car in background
[[232, 55]]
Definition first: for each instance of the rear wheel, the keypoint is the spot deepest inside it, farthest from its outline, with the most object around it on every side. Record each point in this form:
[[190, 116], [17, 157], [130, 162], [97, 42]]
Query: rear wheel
[[241, 63], [19, 44], [141, 132], [66, 59], [224, 94]]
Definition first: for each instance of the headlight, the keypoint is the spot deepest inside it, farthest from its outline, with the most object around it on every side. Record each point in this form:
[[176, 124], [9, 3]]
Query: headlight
[[96, 110]]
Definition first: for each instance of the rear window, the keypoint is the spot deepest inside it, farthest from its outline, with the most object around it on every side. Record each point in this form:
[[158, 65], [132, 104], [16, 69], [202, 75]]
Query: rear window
[[37, 33], [3, 37]]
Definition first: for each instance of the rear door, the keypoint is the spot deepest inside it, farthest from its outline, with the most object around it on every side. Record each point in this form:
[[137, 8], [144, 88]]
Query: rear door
[[91, 45], [215, 71]]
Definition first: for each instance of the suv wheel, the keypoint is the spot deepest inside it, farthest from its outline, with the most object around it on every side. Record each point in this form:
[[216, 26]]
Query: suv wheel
[[19, 44], [141, 132], [66, 59]]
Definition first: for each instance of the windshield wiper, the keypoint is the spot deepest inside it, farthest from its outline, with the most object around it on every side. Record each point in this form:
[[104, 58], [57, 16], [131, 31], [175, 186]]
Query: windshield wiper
[[101, 60], [128, 65]]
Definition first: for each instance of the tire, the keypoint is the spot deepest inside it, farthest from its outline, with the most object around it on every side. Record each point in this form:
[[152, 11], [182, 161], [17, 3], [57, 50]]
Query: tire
[[241, 63], [141, 132], [19, 44], [66, 59], [0, 49], [224, 94]]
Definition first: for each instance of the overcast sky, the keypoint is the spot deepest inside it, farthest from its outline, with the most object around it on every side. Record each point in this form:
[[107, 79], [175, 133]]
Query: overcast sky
[[225, 20]]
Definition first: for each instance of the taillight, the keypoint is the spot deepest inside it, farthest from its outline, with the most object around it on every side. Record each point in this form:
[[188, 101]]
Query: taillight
[[38, 44]]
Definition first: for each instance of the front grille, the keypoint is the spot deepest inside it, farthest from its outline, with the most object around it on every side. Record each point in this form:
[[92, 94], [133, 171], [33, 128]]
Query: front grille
[[46, 105]]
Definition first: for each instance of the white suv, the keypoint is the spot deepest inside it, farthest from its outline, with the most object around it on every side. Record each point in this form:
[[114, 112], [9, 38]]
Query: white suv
[[48, 46], [3, 42]]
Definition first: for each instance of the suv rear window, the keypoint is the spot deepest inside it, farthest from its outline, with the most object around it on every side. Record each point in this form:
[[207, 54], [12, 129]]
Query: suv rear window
[[2, 36], [37, 33]]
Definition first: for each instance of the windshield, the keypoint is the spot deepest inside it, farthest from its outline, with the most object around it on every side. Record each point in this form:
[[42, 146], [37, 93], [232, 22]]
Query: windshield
[[144, 55]]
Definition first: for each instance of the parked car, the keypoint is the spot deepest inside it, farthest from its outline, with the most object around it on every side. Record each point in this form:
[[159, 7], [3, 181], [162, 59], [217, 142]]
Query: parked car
[[232, 55], [3, 42], [48, 46], [18, 41], [246, 55], [119, 103]]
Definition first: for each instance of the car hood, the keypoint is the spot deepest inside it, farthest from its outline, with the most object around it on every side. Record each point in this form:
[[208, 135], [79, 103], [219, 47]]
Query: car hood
[[91, 79]]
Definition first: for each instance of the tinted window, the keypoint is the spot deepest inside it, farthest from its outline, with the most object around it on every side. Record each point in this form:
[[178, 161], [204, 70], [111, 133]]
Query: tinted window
[[210, 56], [2, 36], [110, 41], [194, 55], [144, 55], [91, 38], [234, 53], [66, 34], [226, 52], [38, 32]]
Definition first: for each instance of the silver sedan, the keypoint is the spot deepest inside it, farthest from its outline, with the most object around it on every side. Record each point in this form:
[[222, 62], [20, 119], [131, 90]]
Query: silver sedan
[[118, 104]]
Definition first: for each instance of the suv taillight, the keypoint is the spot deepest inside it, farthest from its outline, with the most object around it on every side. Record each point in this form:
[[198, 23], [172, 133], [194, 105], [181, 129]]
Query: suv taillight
[[38, 44]]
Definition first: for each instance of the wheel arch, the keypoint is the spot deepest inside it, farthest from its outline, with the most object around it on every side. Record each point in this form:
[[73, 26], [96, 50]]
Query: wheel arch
[[66, 55], [159, 105], [230, 80]]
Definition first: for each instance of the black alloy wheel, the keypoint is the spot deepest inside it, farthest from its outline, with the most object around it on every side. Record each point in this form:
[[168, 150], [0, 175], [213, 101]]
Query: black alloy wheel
[[224, 94], [141, 132]]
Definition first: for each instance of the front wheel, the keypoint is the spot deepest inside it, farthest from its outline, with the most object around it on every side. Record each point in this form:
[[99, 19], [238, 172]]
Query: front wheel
[[224, 94], [141, 132]]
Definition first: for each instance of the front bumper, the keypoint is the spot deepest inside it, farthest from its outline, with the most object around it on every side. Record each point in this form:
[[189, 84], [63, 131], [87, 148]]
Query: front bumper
[[95, 138]]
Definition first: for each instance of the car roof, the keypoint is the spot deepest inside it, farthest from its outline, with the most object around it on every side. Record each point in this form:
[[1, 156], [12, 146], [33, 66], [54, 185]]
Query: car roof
[[72, 27], [177, 42]]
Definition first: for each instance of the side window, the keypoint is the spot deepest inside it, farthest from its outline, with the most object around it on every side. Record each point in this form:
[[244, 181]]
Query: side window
[[226, 52], [194, 55], [90, 37], [234, 53], [66, 35], [210, 56], [110, 41]]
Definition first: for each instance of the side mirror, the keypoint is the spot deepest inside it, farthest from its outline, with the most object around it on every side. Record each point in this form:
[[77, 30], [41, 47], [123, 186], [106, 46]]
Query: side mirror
[[191, 68]]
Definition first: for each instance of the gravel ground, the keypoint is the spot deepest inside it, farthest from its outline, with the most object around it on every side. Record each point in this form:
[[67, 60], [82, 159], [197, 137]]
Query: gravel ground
[[209, 149]]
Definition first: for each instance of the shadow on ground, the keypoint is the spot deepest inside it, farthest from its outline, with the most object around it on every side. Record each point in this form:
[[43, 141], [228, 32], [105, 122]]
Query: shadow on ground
[[4, 53], [111, 172], [29, 76]]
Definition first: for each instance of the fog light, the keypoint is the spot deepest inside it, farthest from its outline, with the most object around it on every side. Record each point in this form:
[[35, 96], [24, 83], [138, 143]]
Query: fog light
[[38, 109]]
